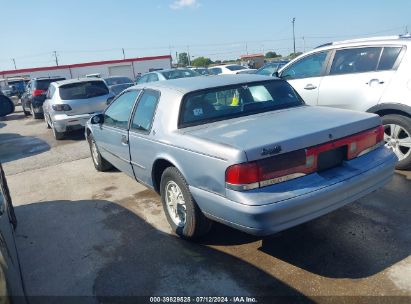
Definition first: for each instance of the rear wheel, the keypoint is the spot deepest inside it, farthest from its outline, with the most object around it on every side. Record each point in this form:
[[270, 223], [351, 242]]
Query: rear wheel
[[34, 114], [182, 212], [397, 137], [99, 162], [46, 121]]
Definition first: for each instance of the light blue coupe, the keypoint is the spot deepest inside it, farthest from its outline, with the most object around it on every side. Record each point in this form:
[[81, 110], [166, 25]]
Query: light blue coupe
[[243, 150]]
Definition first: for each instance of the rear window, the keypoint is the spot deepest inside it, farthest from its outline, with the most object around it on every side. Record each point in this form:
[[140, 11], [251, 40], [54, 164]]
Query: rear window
[[83, 90], [235, 101], [117, 80], [44, 84], [235, 67], [175, 74]]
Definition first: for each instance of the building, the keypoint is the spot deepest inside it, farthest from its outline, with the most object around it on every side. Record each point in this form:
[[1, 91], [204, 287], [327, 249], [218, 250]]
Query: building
[[255, 60], [126, 67]]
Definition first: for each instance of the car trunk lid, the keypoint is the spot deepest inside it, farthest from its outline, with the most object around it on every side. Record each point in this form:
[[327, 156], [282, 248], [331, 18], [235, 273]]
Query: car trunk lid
[[282, 131]]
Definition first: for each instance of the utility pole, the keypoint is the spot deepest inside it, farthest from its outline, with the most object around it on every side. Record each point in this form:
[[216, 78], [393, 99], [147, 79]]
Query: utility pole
[[14, 61], [304, 44], [124, 54], [177, 58], [188, 55], [246, 48], [56, 57], [294, 33]]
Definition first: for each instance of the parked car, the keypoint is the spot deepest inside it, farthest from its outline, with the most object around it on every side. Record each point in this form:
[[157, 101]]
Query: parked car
[[6, 105], [201, 71], [270, 68], [243, 150], [230, 69], [117, 84], [70, 103], [166, 75], [11, 280], [370, 75], [35, 95]]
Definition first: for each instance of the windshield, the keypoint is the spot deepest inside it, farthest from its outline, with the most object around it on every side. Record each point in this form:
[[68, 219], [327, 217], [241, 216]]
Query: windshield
[[236, 101], [235, 67], [83, 90], [117, 80], [45, 83], [175, 74]]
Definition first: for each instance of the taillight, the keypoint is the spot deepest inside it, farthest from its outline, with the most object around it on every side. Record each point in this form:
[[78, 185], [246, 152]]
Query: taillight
[[38, 92], [287, 166], [61, 107]]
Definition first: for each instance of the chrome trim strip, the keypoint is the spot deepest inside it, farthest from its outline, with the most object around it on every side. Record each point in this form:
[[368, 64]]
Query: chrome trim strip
[[137, 165], [380, 144], [123, 159], [264, 183]]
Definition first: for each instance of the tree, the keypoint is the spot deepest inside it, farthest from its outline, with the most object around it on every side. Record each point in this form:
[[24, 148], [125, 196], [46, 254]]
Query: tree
[[183, 59], [272, 55], [217, 61], [293, 55], [201, 62]]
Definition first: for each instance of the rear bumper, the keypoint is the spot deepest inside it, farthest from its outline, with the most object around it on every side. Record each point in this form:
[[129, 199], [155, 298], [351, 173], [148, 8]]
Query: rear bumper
[[279, 214], [65, 123]]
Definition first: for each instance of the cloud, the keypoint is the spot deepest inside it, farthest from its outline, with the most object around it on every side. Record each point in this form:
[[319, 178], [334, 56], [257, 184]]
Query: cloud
[[180, 4]]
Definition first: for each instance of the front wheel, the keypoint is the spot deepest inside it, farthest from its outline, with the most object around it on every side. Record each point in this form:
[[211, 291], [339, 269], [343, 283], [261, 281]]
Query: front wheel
[[182, 212], [99, 162], [397, 137]]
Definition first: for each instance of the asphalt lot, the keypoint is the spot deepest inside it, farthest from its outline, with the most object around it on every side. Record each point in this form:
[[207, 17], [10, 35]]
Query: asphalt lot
[[82, 232]]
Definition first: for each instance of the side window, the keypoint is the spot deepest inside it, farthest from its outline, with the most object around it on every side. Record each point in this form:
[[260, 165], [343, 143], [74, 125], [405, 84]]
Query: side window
[[118, 113], [152, 77], [145, 110], [309, 66], [388, 58], [357, 60], [143, 79]]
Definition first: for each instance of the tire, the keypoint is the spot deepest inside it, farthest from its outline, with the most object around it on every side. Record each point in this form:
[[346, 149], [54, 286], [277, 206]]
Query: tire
[[99, 162], [46, 121], [26, 113], [398, 138], [33, 114], [57, 135], [10, 207], [195, 223]]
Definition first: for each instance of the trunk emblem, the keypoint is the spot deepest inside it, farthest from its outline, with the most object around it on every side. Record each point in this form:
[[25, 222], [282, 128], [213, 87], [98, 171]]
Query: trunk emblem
[[271, 151]]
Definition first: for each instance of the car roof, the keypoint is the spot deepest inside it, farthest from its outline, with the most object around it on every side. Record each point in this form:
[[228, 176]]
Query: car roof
[[78, 80], [185, 85], [386, 40]]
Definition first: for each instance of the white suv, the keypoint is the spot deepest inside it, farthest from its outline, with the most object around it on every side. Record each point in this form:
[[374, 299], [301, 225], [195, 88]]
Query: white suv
[[372, 75]]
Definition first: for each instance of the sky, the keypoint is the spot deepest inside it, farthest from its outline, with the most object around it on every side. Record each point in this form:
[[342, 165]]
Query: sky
[[93, 30]]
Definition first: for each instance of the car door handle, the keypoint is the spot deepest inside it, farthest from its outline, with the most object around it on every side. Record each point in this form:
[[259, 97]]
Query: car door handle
[[310, 87], [374, 81], [124, 140]]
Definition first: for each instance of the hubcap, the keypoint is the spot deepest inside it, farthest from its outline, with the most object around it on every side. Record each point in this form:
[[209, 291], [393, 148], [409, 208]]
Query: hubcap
[[176, 206], [398, 140], [94, 152]]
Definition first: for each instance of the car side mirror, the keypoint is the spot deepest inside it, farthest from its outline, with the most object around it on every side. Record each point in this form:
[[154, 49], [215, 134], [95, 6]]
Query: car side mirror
[[6, 106], [97, 119], [276, 74]]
